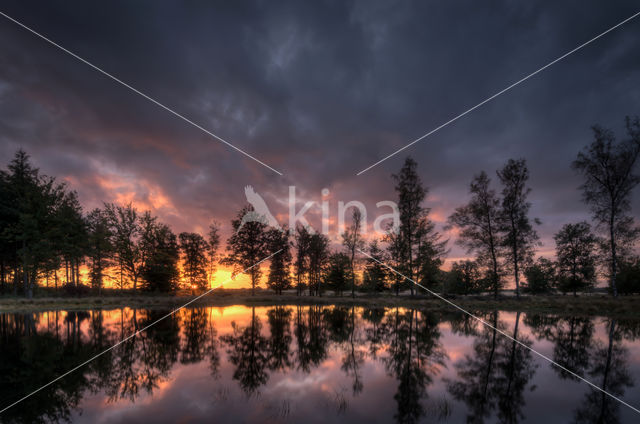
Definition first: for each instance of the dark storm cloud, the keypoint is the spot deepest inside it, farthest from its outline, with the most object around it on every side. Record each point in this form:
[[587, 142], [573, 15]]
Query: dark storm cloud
[[318, 90]]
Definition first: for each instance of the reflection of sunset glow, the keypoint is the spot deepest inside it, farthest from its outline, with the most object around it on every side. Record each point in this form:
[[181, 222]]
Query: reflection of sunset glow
[[327, 381]]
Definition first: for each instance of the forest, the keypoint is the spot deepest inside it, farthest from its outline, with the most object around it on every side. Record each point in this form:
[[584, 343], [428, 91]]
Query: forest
[[46, 238]]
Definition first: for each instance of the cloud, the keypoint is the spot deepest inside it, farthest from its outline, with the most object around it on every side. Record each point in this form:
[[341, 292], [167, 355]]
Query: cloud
[[318, 90]]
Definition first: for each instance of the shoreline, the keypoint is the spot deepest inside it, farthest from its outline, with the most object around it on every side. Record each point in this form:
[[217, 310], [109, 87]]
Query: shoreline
[[589, 305]]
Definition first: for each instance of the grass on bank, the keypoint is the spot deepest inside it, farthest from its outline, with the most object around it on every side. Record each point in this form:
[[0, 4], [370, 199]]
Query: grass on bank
[[591, 305]]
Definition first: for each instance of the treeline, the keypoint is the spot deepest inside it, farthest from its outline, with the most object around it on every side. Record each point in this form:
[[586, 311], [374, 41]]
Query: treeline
[[46, 237]]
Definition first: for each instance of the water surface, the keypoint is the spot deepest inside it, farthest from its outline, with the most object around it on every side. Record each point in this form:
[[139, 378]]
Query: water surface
[[316, 365]]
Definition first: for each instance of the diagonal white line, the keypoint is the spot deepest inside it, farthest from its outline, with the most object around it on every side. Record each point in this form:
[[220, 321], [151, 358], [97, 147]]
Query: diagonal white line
[[135, 334], [543, 356], [139, 92], [553, 62]]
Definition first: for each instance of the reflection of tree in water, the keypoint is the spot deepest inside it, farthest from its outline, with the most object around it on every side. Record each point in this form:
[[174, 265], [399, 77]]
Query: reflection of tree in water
[[415, 355], [353, 357], [375, 334], [603, 364], [248, 351], [491, 380], [212, 349], [312, 337], [195, 336], [608, 370], [573, 339], [495, 376], [515, 369], [30, 359], [476, 384], [280, 341], [142, 361]]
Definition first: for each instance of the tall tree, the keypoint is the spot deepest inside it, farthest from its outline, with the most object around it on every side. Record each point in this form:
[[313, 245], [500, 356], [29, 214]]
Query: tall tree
[[352, 240], [302, 238], [519, 235], [194, 260], [247, 246], [480, 225], [30, 210], [318, 255], [609, 171], [125, 226], [99, 246], [213, 241], [575, 250], [278, 245], [416, 240]]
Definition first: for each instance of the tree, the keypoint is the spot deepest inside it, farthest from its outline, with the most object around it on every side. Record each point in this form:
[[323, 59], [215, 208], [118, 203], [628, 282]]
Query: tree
[[519, 235], [160, 272], [31, 206], [318, 254], [126, 230], [353, 241], [68, 229], [628, 279], [540, 276], [338, 273], [194, 260], [246, 247], [278, 245], [99, 246], [417, 242], [212, 251], [609, 172], [575, 246], [375, 274], [302, 238], [479, 222], [464, 277]]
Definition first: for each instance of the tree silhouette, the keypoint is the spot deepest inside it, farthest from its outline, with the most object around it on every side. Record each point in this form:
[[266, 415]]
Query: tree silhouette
[[519, 235], [609, 171], [246, 247], [194, 260], [417, 245], [575, 246], [279, 268], [352, 240], [480, 226]]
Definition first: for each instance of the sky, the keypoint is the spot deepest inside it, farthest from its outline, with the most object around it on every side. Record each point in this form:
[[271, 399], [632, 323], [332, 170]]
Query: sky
[[318, 91]]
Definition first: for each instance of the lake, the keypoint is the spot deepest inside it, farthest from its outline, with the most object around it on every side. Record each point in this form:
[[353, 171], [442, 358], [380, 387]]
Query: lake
[[316, 364]]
